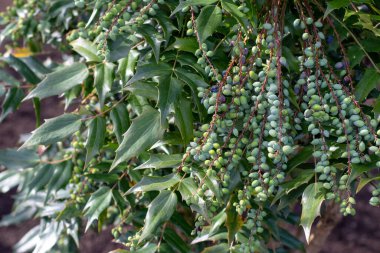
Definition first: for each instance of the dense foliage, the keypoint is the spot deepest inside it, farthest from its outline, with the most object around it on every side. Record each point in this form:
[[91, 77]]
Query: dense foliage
[[198, 126]]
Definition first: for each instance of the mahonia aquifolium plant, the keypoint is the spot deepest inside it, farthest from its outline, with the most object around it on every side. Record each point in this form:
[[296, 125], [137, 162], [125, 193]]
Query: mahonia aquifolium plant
[[197, 125]]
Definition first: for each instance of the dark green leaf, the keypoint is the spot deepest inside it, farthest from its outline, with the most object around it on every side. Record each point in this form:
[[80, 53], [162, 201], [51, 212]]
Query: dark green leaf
[[86, 49], [96, 136], [335, 4], [11, 102], [184, 44], [159, 161], [155, 183], [311, 205], [54, 130], [208, 20], [234, 221], [120, 120], [148, 31], [150, 70], [98, 202], [60, 81], [143, 133], [13, 159], [369, 81], [103, 80], [159, 211], [184, 119], [168, 90], [192, 3]]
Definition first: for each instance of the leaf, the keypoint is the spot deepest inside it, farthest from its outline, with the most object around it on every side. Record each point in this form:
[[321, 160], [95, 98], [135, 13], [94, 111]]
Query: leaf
[[60, 81], [126, 66], [311, 205], [96, 136], [150, 70], [301, 157], [208, 20], [234, 221], [86, 49], [144, 89], [166, 24], [142, 134], [302, 177], [175, 241], [22, 68], [369, 81], [120, 121], [154, 183], [219, 248], [148, 32], [54, 130], [355, 55], [184, 44], [149, 248], [13, 159], [187, 188], [11, 102], [103, 80], [159, 211], [159, 161], [364, 181], [187, 3], [376, 106], [168, 90], [184, 119], [335, 4], [120, 48], [98, 202], [230, 7]]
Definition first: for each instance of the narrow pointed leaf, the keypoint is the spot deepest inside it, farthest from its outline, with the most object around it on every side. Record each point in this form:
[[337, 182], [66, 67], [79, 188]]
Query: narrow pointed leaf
[[208, 20], [142, 134], [103, 80], [159, 211], [60, 81], [155, 183], [168, 90], [120, 121], [150, 70], [96, 136], [86, 49], [159, 161], [54, 130], [97, 203], [184, 119], [311, 205]]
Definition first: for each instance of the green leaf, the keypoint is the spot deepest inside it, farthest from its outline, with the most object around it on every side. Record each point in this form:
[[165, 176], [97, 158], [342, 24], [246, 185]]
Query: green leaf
[[119, 48], [184, 119], [149, 248], [143, 133], [355, 55], [154, 183], [234, 221], [335, 4], [364, 181], [233, 9], [159, 211], [126, 66], [184, 44], [376, 106], [302, 177], [369, 81], [192, 3], [311, 204], [220, 248], [166, 24], [120, 120], [188, 188], [148, 32], [13, 159], [301, 157], [86, 48], [60, 81], [144, 89], [11, 102], [208, 20], [150, 70], [96, 136], [54, 130], [159, 161], [175, 241], [22, 68], [98, 202], [103, 80], [168, 90]]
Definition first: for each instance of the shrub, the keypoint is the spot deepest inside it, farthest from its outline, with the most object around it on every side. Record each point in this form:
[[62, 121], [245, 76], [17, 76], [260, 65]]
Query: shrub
[[199, 126]]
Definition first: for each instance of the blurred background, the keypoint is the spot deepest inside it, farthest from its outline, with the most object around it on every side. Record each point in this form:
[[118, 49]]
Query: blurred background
[[359, 234]]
